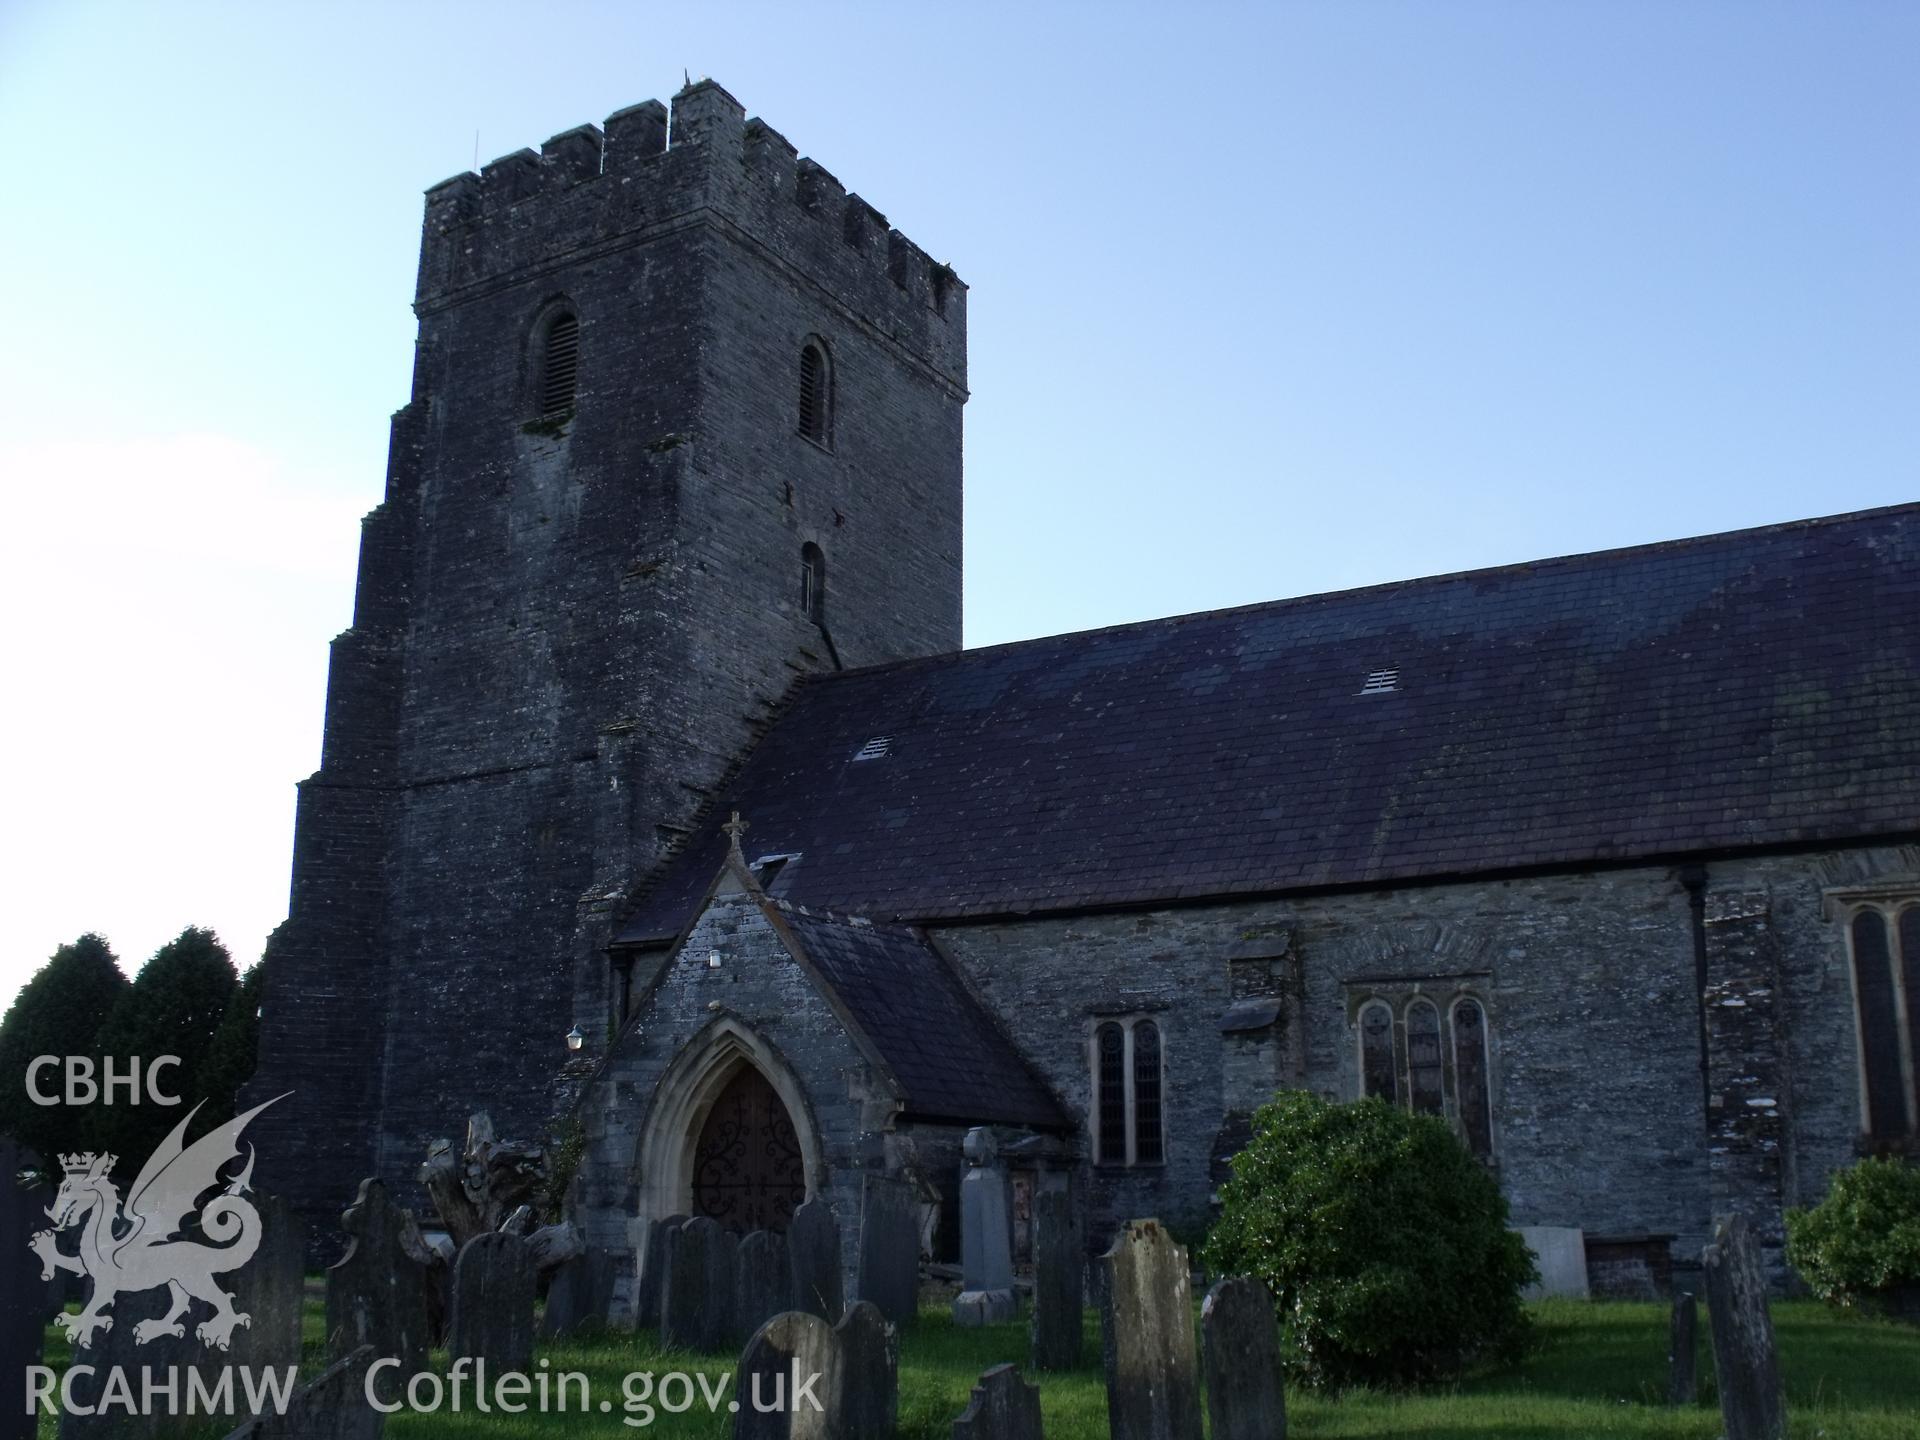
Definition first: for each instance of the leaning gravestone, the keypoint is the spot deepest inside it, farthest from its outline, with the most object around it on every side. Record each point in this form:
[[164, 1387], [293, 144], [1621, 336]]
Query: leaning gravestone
[[1003, 1407], [1059, 1279], [377, 1292], [763, 1281], [492, 1312], [1683, 1385], [775, 1386], [889, 1273], [651, 1287], [578, 1295], [813, 1256], [864, 1401], [1152, 1382], [332, 1407], [29, 1299], [696, 1309], [1246, 1398], [1752, 1403], [986, 1237]]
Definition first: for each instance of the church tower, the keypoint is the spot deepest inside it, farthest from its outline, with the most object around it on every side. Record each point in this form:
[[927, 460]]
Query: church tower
[[685, 425]]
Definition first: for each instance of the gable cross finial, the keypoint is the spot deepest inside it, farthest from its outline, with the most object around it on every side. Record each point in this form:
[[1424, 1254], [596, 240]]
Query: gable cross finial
[[735, 828]]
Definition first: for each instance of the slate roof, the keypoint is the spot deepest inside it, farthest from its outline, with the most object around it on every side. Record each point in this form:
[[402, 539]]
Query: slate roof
[[951, 1059], [1754, 688]]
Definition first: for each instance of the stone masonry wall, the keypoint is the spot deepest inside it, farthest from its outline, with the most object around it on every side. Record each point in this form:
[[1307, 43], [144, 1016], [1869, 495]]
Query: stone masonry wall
[[1601, 1103], [566, 636], [760, 986]]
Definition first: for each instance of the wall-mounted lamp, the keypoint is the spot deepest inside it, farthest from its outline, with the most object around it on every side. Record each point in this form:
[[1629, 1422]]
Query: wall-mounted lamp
[[713, 960], [575, 1039]]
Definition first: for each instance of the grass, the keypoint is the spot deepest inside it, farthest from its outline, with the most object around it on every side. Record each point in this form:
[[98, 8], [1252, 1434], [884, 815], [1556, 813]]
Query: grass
[[1600, 1370]]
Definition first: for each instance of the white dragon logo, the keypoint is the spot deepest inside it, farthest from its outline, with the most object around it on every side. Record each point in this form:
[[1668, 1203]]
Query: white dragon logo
[[140, 1247]]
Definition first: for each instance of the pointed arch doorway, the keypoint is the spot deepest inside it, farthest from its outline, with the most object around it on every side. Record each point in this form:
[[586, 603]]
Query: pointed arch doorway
[[748, 1171], [728, 1132]]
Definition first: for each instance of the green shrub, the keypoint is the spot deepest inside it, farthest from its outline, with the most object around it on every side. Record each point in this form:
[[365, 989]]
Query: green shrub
[[1384, 1243], [1863, 1240]]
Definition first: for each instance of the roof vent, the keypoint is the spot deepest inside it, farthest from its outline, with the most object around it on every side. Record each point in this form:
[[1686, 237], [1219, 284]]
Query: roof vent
[[1380, 682], [878, 748], [768, 867]]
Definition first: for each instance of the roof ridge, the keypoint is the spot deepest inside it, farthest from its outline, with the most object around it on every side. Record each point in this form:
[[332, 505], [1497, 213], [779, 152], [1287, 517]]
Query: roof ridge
[[1617, 552]]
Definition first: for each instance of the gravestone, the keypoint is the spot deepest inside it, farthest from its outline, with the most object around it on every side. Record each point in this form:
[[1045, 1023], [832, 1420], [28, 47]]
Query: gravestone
[[813, 1257], [1246, 1397], [271, 1289], [986, 1237], [377, 1292], [623, 1300], [1683, 1385], [865, 1397], [1153, 1390], [1059, 1281], [651, 1287], [889, 1273], [1002, 1407], [771, 1384], [207, 1386], [763, 1281], [116, 1358], [1561, 1255], [29, 1300], [492, 1312], [333, 1406], [575, 1298], [1753, 1405], [696, 1308]]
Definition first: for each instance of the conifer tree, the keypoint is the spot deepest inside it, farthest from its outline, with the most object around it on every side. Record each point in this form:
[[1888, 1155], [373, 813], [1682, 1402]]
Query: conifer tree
[[236, 1047], [61, 1011], [174, 1007]]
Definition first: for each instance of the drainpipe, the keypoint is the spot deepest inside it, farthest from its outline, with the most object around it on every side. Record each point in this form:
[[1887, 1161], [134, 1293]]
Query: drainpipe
[[1694, 879]]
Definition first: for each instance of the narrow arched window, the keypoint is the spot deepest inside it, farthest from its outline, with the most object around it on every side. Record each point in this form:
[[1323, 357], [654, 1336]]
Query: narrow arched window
[[1110, 1042], [559, 364], [813, 583], [816, 393], [1877, 1004], [1376, 1052], [1148, 1148], [1424, 1064], [1470, 1077]]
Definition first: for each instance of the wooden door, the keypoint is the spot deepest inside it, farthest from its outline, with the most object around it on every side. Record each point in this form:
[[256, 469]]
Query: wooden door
[[747, 1169]]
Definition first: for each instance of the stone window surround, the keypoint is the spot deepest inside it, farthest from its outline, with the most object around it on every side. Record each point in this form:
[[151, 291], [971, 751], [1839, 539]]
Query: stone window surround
[[1892, 899], [1445, 993], [815, 425], [1127, 1021], [533, 356]]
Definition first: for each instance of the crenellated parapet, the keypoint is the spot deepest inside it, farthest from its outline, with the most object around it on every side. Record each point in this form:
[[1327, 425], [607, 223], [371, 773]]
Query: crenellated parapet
[[650, 170]]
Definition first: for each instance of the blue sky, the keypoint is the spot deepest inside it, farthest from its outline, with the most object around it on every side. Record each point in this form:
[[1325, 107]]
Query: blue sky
[[1265, 300]]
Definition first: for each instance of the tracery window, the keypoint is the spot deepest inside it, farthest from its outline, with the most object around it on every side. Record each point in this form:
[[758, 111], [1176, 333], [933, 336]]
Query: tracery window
[[1128, 1083], [1377, 1070], [1425, 1090], [1409, 1057], [1884, 943], [1474, 1097]]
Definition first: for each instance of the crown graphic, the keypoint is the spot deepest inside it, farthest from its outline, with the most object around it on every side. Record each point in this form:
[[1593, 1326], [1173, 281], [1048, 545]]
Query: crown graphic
[[87, 1163]]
